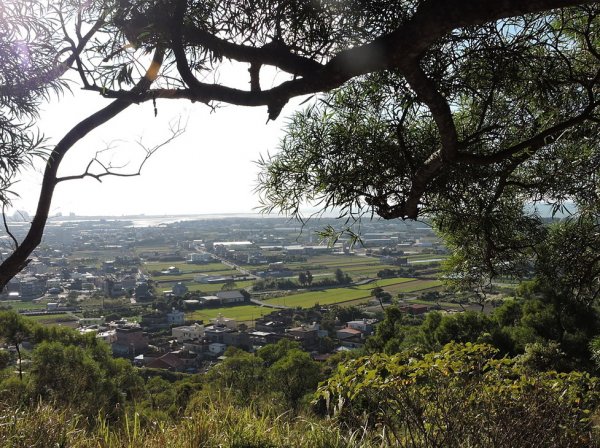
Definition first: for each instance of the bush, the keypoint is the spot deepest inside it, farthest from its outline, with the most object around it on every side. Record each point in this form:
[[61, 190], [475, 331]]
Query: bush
[[463, 397]]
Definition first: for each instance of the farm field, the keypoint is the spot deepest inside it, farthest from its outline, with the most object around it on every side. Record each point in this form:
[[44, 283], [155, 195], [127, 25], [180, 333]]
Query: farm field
[[426, 257], [239, 313], [19, 305], [414, 286], [340, 295], [207, 288], [54, 319], [185, 267], [190, 276]]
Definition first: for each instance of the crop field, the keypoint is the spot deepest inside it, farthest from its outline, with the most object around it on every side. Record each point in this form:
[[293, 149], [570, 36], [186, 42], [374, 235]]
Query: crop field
[[54, 319], [323, 297], [186, 267], [239, 313], [18, 305], [208, 288], [384, 282], [414, 286], [353, 293], [190, 276]]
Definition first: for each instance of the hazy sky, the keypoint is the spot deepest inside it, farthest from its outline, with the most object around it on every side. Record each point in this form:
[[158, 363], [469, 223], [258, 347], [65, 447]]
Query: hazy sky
[[209, 169]]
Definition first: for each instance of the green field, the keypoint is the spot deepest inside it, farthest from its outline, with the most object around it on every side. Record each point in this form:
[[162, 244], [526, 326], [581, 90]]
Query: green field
[[190, 276], [323, 297], [340, 295], [384, 282], [414, 286], [18, 305], [240, 313], [208, 288], [186, 267], [54, 319]]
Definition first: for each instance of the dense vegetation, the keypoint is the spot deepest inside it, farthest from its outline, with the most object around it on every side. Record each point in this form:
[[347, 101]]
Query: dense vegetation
[[468, 379]]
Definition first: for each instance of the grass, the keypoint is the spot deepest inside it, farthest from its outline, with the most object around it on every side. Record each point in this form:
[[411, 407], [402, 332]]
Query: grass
[[322, 297], [239, 313], [386, 282], [426, 256], [18, 305], [190, 275], [185, 267], [209, 288], [209, 422], [414, 286], [52, 319], [353, 293]]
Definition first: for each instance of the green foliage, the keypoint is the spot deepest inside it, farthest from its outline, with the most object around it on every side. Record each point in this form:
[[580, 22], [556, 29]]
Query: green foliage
[[89, 380], [279, 373], [463, 396], [293, 376]]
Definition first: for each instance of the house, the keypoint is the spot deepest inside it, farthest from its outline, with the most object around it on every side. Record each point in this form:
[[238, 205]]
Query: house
[[222, 321], [414, 309], [215, 333], [109, 336], [307, 335], [31, 288], [176, 361], [129, 342], [363, 325], [143, 291], [179, 289], [169, 361], [154, 320], [188, 332], [210, 301], [347, 333], [237, 339], [230, 297], [261, 338], [197, 258], [175, 317], [269, 326]]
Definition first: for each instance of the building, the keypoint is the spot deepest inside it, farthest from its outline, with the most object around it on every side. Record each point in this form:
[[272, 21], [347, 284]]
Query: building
[[175, 317], [129, 342], [221, 321], [31, 288], [198, 258], [188, 332], [366, 326], [230, 297], [414, 309], [179, 289]]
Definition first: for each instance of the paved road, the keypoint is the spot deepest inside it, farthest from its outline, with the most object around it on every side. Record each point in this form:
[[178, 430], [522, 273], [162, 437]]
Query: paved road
[[232, 265]]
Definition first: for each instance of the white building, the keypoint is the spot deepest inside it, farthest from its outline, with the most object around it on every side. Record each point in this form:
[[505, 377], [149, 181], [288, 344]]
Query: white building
[[188, 332], [225, 322]]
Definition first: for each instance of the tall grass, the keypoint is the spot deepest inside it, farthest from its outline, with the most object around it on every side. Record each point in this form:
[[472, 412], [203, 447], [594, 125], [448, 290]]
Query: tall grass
[[209, 423]]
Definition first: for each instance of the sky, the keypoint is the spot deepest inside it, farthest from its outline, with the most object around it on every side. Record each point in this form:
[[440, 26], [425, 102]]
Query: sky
[[209, 169]]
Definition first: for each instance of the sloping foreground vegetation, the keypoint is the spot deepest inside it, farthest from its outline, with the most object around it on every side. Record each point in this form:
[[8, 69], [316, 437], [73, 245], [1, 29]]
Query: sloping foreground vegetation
[[461, 396]]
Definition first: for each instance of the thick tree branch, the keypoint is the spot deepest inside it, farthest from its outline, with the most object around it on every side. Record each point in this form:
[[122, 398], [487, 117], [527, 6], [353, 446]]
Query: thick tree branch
[[274, 53], [400, 49]]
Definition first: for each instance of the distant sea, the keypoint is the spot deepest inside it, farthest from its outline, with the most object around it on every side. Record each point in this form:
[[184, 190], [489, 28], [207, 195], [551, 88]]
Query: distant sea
[[156, 220], [544, 210]]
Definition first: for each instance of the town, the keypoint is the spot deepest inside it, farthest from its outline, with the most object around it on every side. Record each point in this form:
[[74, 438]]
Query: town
[[175, 294]]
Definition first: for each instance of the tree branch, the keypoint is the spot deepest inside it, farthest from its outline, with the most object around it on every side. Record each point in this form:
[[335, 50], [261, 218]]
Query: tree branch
[[19, 258]]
